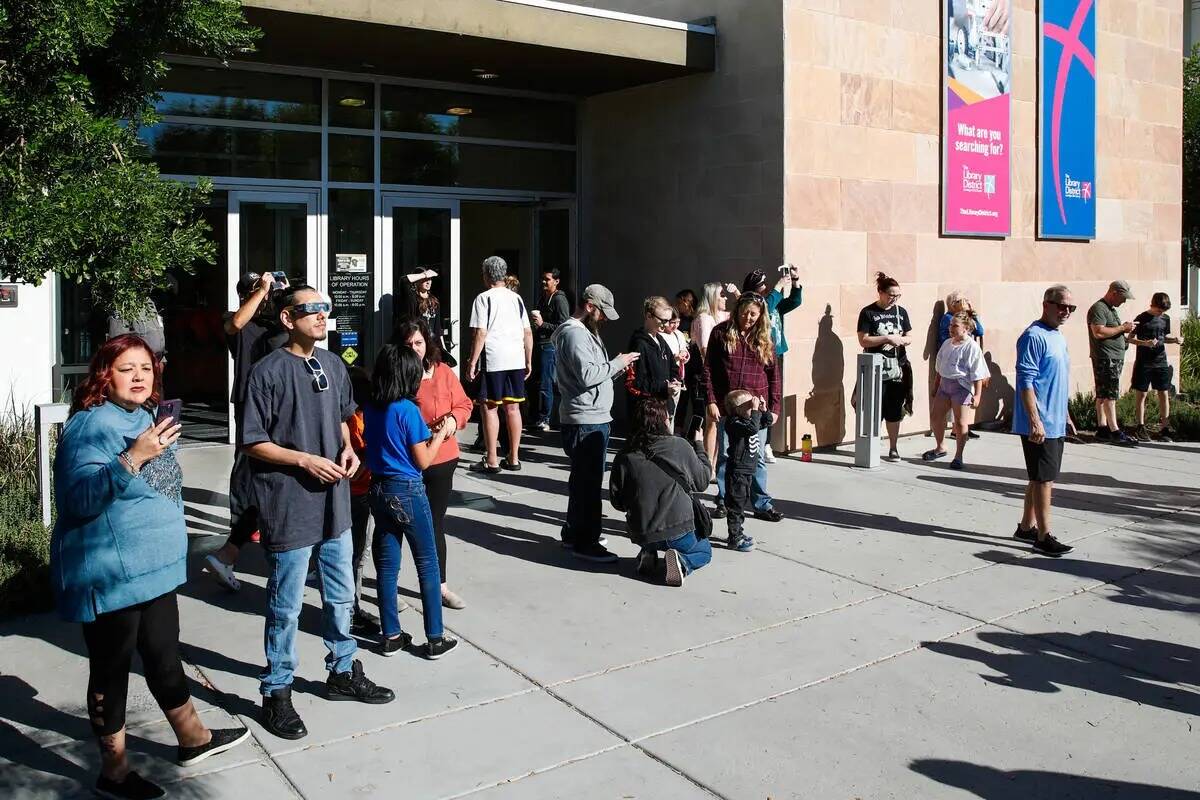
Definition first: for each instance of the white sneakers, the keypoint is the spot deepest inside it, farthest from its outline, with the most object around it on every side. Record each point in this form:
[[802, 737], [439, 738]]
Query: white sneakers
[[769, 455], [222, 573]]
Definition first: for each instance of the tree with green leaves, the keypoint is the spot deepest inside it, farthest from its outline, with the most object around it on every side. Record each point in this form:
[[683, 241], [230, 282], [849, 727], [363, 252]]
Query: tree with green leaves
[[77, 197]]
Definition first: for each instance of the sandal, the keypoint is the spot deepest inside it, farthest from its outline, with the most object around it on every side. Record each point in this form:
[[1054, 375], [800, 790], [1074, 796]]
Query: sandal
[[485, 468], [511, 466], [933, 455]]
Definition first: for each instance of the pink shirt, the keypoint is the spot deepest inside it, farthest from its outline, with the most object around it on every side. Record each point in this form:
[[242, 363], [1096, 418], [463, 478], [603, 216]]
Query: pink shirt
[[703, 324]]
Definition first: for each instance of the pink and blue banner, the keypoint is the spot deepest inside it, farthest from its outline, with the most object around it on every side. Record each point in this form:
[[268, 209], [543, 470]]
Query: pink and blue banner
[[1067, 120], [976, 173]]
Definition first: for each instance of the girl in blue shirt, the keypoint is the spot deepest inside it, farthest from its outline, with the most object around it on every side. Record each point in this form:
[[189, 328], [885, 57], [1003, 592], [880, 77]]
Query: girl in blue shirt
[[399, 448]]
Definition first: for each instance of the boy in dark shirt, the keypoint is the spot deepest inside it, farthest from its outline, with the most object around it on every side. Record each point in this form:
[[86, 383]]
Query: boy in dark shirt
[[1150, 366], [742, 425]]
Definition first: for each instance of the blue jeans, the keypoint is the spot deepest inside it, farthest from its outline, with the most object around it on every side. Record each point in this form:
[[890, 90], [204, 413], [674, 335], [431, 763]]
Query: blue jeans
[[758, 490], [401, 508], [587, 447], [285, 598], [546, 388], [693, 553]]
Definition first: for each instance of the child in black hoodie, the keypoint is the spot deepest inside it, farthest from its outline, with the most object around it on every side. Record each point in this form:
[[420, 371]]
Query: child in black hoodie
[[652, 481], [742, 425]]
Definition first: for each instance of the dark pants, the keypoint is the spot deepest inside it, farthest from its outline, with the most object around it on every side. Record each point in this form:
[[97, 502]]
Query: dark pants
[[150, 628], [360, 516], [243, 515], [439, 480], [738, 484], [587, 447], [549, 357]]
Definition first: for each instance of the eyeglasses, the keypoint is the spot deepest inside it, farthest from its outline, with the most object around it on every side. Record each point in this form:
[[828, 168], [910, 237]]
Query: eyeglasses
[[896, 295], [662, 323], [301, 309], [320, 380], [1067, 307]]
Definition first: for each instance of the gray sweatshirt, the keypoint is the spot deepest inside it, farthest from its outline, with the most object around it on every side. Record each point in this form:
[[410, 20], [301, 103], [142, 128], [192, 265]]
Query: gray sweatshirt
[[584, 374]]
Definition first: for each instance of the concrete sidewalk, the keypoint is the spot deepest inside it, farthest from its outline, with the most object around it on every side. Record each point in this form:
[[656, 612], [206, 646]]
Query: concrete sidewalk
[[888, 640]]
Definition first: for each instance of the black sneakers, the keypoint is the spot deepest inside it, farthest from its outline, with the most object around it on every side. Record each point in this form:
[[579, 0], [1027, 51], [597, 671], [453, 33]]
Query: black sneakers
[[1049, 546], [280, 717], [1026, 536], [355, 685], [389, 647], [134, 787], [594, 552], [647, 563], [1122, 439], [719, 512], [363, 623], [769, 514], [222, 740], [436, 648]]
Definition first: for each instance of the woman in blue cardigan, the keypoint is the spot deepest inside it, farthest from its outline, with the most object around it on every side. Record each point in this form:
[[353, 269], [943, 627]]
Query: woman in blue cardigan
[[117, 556]]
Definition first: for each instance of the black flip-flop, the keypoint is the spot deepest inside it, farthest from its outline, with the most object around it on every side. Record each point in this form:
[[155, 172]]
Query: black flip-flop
[[484, 468], [933, 455], [510, 466]]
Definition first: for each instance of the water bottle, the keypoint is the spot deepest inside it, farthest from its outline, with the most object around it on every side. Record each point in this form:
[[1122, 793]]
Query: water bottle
[[806, 447]]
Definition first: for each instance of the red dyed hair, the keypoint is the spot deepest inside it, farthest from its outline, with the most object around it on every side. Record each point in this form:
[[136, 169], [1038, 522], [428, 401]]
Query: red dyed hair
[[94, 389]]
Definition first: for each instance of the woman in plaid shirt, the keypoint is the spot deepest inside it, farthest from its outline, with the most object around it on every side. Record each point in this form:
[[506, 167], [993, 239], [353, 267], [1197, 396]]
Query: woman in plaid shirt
[[741, 355]]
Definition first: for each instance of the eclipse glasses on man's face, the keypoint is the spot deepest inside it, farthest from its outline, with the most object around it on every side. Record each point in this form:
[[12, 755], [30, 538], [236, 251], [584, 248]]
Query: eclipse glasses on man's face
[[304, 309]]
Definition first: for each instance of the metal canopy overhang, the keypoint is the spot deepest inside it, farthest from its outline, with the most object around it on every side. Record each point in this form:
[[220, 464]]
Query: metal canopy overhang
[[535, 45]]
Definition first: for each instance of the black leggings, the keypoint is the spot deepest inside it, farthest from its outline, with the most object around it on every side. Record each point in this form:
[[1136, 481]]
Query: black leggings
[[439, 479], [151, 628]]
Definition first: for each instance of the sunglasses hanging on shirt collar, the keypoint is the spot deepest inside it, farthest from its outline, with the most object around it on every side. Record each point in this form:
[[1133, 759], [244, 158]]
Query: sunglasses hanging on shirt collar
[[320, 380]]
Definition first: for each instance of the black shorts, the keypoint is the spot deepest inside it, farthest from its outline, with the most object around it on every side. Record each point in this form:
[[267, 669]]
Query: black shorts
[[505, 386], [1107, 373], [894, 395], [1043, 461], [1158, 376]]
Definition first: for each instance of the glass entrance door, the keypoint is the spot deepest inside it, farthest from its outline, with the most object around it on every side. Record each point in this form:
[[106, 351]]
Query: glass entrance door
[[420, 234], [269, 232]]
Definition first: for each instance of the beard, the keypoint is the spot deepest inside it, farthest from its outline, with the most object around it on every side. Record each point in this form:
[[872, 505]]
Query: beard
[[592, 324]]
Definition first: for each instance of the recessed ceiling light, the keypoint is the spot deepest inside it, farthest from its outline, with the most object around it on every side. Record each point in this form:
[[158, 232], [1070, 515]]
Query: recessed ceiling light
[[352, 102], [459, 111]]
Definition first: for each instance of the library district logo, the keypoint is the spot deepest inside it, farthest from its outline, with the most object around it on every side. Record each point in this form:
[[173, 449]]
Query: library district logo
[[1076, 190], [978, 182]]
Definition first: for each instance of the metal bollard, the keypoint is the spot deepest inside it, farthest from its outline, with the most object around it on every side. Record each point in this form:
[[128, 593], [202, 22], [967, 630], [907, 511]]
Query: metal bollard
[[868, 410], [45, 417]]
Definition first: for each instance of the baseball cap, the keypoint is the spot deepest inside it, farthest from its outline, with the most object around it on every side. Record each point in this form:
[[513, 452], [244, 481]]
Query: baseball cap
[[754, 280], [245, 284], [1121, 288], [599, 296]]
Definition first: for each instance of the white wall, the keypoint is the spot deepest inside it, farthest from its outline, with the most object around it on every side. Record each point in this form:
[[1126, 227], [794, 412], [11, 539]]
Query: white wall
[[27, 348]]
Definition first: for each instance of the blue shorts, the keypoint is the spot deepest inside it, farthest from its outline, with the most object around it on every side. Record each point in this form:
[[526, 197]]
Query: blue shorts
[[505, 386]]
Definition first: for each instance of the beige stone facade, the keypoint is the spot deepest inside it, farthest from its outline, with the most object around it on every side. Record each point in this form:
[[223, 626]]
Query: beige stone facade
[[680, 181]]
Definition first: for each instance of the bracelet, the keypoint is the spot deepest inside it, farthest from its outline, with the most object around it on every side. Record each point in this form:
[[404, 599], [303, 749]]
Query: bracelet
[[124, 457]]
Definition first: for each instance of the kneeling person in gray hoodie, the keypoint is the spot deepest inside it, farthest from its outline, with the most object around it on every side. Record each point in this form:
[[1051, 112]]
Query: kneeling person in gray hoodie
[[652, 481]]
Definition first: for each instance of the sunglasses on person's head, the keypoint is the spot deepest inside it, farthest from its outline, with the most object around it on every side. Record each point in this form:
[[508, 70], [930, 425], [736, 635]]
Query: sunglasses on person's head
[[302, 309], [320, 380]]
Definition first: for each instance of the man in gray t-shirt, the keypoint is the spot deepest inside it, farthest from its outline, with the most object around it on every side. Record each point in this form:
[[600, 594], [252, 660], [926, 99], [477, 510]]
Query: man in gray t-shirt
[[1108, 339], [294, 429]]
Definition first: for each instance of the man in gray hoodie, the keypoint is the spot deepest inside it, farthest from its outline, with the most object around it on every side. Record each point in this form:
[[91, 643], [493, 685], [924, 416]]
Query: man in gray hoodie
[[584, 374]]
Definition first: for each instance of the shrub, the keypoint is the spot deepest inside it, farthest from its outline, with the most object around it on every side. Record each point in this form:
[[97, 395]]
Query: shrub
[[1189, 358], [1185, 415], [24, 541]]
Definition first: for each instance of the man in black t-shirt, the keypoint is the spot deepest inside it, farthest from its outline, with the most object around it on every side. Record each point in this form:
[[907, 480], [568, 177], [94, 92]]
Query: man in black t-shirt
[[250, 334], [1150, 366], [298, 399]]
